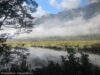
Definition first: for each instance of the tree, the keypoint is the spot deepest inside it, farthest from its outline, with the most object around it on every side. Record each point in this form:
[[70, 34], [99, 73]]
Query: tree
[[17, 14]]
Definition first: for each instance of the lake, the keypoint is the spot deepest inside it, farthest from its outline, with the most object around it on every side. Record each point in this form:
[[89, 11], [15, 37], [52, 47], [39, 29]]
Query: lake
[[39, 57]]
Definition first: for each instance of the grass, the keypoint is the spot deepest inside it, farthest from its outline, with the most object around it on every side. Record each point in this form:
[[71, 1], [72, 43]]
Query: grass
[[54, 43], [79, 46]]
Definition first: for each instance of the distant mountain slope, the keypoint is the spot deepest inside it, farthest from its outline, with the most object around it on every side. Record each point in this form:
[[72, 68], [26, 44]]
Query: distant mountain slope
[[65, 38]]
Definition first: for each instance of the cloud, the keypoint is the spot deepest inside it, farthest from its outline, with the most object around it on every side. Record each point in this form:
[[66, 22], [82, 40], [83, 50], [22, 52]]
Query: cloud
[[69, 4], [9, 31], [78, 26], [72, 22], [83, 21], [40, 12], [94, 1]]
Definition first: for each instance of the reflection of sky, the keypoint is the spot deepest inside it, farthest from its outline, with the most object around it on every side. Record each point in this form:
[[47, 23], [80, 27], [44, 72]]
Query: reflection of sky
[[45, 4]]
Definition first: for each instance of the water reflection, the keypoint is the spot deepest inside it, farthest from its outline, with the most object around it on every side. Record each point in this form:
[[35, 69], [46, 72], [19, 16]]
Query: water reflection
[[40, 57], [45, 55], [10, 58], [21, 58]]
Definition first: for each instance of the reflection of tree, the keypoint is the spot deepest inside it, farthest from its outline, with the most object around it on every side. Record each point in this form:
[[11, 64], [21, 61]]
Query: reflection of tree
[[13, 59], [94, 48], [21, 64], [71, 65], [5, 55]]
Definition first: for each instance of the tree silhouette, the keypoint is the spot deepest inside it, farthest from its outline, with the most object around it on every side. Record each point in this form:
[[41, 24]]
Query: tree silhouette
[[17, 14]]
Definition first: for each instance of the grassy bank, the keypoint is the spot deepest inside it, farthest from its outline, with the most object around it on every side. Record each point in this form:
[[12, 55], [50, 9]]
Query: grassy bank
[[87, 46]]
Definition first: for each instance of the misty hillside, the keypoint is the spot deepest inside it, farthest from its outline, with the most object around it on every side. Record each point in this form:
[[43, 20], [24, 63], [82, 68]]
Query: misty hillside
[[63, 38]]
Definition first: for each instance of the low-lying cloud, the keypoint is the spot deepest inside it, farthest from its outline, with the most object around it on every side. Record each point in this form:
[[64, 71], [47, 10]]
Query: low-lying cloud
[[79, 21], [94, 1], [70, 22], [78, 26]]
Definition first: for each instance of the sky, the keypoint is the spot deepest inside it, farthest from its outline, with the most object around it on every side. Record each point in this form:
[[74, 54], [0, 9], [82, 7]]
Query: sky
[[76, 22], [56, 6]]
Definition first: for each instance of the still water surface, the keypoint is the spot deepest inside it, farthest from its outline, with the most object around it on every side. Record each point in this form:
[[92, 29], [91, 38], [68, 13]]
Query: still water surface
[[44, 55], [39, 57]]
